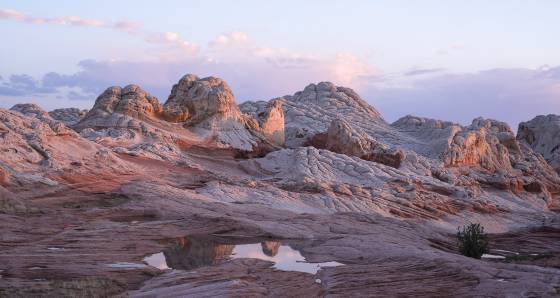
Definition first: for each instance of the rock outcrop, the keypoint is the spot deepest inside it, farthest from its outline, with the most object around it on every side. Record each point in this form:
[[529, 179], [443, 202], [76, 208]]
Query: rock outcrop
[[140, 175], [485, 143], [270, 118], [194, 100], [68, 116], [36, 144], [207, 108], [542, 134], [486, 149], [121, 107], [311, 111], [342, 138], [198, 112]]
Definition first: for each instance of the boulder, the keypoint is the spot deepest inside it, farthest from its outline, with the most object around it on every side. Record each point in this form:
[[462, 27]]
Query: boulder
[[194, 100]]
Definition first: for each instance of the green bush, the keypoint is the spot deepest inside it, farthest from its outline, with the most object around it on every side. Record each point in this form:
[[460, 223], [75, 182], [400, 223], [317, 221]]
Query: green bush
[[472, 241]]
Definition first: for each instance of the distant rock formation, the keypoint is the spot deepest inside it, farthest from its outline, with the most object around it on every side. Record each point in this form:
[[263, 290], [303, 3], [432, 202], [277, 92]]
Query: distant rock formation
[[487, 149], [68, 116], [542, 134], [485, 143], [207, 107], [311, 111], [121, 107], [193, 100], [198, 112], [342, 138]]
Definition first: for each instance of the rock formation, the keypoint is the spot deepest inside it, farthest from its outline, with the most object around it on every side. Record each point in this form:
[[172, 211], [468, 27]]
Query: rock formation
[[311, 111], [199, 112], [321, 170], [270, 118], [68, 116], [342, 138], [121, 107], [542, 134], [194, 100]]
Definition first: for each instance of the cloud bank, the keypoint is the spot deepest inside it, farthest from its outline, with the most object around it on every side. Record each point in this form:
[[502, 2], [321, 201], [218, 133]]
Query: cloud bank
[[510, 95], [257, 72]]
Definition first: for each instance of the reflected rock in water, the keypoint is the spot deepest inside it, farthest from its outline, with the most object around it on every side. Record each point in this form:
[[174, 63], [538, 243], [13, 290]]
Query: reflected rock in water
[[270, 248], [193, 252]]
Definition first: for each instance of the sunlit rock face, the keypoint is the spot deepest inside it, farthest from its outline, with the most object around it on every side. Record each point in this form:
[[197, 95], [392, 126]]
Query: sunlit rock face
[[487, 150], [207, 108], [542, 134], [198, 112], [196, 99], [269, 118], [485, 143]]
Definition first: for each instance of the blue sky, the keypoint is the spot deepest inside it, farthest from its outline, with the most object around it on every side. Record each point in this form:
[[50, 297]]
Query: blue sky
[[441, 59]]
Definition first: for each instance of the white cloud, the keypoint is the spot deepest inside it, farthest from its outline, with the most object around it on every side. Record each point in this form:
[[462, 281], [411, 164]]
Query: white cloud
[[234, 38], [173, 39]]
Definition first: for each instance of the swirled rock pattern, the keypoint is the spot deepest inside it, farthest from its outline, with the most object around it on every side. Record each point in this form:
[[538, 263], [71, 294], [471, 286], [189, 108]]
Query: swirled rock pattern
[[84, 198]]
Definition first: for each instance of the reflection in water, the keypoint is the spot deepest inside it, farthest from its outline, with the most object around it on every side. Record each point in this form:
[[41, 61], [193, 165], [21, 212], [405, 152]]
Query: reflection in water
[[270, 248], [193, 252]]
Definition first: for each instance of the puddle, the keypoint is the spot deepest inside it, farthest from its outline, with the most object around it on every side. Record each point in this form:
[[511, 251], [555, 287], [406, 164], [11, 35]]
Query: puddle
[[157, 260], [493, 257], [125, 265], [193, 252]]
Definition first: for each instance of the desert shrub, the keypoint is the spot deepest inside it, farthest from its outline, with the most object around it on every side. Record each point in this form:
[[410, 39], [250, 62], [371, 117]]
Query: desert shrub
[[472, 240]]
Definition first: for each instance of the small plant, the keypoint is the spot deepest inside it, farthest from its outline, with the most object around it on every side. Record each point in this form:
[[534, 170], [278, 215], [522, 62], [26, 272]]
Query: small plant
[[472, 240]]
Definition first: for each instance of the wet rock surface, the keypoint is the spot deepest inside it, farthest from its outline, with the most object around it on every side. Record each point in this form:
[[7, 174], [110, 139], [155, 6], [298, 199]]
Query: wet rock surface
[[82, 205]]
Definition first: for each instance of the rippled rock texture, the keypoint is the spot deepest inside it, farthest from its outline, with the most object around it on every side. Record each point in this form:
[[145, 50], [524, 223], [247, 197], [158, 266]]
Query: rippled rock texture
[[85, 197]]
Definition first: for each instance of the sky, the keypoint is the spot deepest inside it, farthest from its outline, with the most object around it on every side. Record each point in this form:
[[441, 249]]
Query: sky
[[449, 60]]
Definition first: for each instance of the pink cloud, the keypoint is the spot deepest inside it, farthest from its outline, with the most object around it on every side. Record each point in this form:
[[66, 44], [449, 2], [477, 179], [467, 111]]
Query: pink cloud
[[11, 14]]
